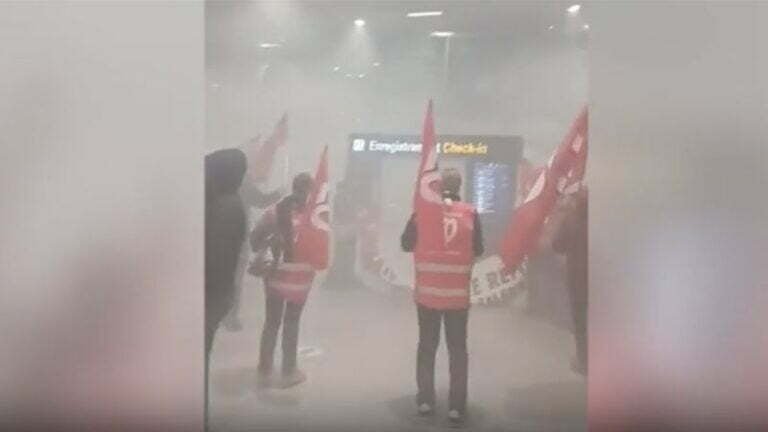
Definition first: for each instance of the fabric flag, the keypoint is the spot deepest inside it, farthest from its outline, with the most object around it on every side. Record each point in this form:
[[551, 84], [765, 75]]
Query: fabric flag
[[526, 176], [261, 160], [564, 171], [530, 180], [578, 152], [570, 159], [427, 200], [316, 217]]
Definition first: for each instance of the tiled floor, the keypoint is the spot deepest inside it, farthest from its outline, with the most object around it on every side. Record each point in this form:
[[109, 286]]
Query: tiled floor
[[358, 348]]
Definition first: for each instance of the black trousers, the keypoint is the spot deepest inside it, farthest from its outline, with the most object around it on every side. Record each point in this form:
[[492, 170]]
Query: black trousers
[[279, 311], [579, 305], [215, 310], [429, 339], [242, 265]]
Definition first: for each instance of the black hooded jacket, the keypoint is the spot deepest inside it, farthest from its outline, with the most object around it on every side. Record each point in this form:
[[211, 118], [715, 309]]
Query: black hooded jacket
[[225, 225]]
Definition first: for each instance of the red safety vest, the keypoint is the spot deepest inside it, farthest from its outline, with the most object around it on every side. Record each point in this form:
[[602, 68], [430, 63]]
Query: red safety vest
[[443, 277], [293, 280]]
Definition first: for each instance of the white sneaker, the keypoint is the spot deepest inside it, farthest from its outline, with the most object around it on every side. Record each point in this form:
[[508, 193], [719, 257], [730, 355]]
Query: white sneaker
[[425, 409], [455, 417], [294, 378]]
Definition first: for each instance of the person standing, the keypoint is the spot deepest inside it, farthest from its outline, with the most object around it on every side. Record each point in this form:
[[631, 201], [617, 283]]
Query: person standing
[[442, 294], [225, 229], [252, 197], [288, 277], [571, 240]]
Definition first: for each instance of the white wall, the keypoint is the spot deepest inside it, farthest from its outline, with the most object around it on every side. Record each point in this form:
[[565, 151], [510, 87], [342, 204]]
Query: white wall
[[678, 238], [101, 259]]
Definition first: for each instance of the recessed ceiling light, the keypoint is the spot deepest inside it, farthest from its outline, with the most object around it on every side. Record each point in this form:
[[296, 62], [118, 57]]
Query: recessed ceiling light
[[359, 22], [336, 68], [574, 8], [376, 64], [586, 27], [361, 76], [552, 27], [269, 45], [442, 34], [424, 14]]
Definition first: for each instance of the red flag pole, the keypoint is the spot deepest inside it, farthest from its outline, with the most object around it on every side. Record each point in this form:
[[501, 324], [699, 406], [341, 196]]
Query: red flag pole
[[316, 216], [263, 159], [427, 202]]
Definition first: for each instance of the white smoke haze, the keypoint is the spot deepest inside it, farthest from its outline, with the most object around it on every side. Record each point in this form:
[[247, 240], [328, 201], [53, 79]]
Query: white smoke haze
[[101, 222], [504, 72], [106, 111], [508, 74]]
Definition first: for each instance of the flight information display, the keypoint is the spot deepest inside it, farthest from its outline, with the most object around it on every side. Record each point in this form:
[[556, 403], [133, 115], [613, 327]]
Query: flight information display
[[493, 187]]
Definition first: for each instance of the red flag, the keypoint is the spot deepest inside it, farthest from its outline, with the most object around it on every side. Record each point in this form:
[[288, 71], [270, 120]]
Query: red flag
[[578, 150], [568, 165], [564, 170], [526, 176], [529, 180], [261, 161], [427, 201], [316, 217], [522, 234]]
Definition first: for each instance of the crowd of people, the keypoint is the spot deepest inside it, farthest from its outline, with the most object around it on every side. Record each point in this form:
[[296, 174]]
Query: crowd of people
[[442, 279]]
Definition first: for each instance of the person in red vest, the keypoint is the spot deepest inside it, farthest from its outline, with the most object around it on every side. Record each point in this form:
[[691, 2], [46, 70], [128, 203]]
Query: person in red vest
[[288, 277], [442, 294]]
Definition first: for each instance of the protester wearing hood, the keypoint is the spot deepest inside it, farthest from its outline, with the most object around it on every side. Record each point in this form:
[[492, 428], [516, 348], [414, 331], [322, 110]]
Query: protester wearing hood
[[225, 227]]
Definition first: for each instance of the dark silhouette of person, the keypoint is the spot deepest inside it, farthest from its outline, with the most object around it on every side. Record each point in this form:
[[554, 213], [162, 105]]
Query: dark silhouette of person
[[572, 241], [225, 228]]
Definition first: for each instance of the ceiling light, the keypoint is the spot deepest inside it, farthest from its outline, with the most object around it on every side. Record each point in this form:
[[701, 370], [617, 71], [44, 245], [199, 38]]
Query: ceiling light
[[349, 75], [269, 45], [336, 68], [359, 22], [376, 64], [424, 14], [586, 27], [442, 34], [552, 27], [361, 76], [574, 8]]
